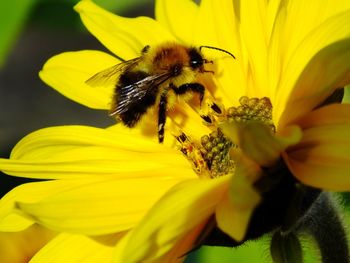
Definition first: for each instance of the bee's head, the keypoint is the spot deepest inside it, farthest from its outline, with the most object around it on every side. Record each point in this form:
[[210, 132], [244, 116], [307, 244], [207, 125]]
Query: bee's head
[[196, 59]]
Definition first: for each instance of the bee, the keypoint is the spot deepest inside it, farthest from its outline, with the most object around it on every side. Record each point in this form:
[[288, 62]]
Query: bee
[[156, 77]]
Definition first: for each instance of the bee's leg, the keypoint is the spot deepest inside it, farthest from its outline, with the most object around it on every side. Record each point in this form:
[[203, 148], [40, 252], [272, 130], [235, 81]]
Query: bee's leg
[[162, 116], [145, 49], [194, 87]]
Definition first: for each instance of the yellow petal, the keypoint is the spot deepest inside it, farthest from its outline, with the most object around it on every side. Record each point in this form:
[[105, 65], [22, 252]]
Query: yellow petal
[[110, 239], [277, 16], [254, 34], [125, 37], [177, 253], [327, 71], [216, 26], [322, 158], [67, 73], [80, 151], [184, 207], [73, 249], [98, 207], [317, 67], [258, 142], [21, 246], [79, 169], [327, 115], [289, 33], [30, 192], [181, 26], [182, 247], [234, 211], [50, 141], [12, 222], [314, 13], [120, 247], [328, 176], [273, 10]]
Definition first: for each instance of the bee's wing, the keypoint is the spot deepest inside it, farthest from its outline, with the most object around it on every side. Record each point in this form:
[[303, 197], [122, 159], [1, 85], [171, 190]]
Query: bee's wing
[[111, 75], [134, 93]]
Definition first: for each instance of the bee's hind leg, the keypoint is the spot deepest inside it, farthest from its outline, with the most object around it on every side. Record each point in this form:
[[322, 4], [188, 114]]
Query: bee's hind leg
[[194, 87], [162, 116]]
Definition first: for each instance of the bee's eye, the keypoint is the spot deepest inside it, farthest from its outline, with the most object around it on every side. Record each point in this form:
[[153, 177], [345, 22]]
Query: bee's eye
[[195, 58], [196, 63]]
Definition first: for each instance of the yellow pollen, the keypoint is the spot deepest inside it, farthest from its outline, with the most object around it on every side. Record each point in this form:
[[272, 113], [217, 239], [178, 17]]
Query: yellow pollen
[[215, 149], [252, 109], [210, 155]]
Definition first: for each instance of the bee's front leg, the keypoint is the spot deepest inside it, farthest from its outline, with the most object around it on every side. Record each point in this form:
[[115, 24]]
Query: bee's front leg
[[162, 116], [194, 87]]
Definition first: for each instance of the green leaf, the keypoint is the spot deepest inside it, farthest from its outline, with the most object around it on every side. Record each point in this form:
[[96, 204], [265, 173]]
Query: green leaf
[[346, 98], [13, 15]]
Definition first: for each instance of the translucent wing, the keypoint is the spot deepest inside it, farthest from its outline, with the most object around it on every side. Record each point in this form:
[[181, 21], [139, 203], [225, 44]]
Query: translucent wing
[[111, 75], [131, 95]]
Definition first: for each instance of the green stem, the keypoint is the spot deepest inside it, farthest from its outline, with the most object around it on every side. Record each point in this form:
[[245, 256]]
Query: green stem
[[324, 224], [286, 248]]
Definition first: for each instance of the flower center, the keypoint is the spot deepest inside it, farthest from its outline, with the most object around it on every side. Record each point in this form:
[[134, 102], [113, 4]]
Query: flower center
[[252, 109], [215, 149], [210, 155]]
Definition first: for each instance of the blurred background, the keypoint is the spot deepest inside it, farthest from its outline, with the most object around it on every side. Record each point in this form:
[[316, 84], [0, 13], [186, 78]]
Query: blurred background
[[32, 31]]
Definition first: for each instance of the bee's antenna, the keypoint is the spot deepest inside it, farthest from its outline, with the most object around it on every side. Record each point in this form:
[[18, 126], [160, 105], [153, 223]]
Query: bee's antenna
[[216, 48]]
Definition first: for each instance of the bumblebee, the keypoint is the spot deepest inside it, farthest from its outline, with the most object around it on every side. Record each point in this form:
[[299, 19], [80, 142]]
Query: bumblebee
[[156, 77]]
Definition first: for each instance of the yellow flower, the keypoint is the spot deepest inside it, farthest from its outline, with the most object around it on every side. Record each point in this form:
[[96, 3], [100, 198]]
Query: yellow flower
[[121, 184]]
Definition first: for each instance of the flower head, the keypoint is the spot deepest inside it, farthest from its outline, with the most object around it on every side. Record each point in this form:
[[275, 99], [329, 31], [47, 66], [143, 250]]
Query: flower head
[[157, 198]]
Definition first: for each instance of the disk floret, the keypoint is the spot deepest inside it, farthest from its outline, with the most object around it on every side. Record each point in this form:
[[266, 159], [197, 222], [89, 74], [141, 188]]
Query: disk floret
[[215, 149], [252, 109], [210, 155]]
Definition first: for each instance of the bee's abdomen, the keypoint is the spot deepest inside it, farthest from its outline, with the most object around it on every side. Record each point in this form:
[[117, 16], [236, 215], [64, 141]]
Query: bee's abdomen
[[133, 114], [131, 100]]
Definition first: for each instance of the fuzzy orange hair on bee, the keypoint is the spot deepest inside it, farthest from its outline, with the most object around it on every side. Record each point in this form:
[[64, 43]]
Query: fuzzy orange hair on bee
[[159, 73]]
